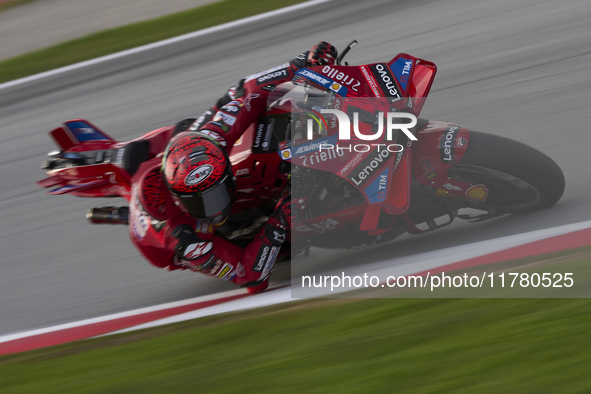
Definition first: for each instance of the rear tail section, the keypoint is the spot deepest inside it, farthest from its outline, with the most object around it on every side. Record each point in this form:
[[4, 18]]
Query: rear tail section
[[90, 163], [76, 132]]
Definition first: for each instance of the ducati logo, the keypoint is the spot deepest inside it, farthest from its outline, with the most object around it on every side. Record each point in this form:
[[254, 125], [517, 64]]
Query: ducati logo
[[247, 99]]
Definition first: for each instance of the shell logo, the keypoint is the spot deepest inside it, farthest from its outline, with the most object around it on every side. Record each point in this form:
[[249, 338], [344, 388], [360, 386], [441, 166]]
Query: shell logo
[[477, 193], [286, 154], [335, 86]]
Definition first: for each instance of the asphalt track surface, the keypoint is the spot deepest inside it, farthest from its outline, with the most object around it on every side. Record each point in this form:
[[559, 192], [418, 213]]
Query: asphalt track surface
[[516, 68], [51, 22]]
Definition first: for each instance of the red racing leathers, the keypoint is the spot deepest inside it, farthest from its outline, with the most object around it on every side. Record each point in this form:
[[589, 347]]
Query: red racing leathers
[[170, 238]]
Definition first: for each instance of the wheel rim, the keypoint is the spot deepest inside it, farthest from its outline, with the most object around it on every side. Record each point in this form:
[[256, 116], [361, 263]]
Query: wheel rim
[[507, 192]]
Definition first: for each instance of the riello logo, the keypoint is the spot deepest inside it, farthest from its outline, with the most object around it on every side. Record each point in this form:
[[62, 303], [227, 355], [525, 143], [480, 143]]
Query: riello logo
[[390, 126]]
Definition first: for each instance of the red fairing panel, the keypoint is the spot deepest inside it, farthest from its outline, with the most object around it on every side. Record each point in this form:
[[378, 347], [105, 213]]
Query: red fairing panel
[[99, 180], [440, 146], [102, 175]]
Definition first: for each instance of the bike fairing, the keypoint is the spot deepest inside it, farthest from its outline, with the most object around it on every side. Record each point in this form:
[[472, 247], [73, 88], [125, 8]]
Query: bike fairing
[[440, 162]]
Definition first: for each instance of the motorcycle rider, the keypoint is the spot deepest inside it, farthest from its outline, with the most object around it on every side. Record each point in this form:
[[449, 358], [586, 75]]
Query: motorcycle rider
[[193, 188]]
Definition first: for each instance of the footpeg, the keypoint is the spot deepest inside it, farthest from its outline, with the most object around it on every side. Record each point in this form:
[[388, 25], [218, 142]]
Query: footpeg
[[476, 218]]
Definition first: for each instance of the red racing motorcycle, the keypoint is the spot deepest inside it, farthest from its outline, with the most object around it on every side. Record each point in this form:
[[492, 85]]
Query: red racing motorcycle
[[377, 183]]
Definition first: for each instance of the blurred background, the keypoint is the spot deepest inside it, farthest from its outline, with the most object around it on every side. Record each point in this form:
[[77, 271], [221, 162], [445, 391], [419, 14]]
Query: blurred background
[[27, 25]]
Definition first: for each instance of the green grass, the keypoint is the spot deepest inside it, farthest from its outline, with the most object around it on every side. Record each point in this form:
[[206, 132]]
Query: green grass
[[126, 37], [13, 3], [522, 278], [333, 346]]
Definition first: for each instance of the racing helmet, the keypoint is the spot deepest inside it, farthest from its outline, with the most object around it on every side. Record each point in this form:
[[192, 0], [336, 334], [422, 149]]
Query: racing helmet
[[198, 174]]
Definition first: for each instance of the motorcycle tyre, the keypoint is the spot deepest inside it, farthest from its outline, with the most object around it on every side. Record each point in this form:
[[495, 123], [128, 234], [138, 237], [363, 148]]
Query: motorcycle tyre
[[504, 165]]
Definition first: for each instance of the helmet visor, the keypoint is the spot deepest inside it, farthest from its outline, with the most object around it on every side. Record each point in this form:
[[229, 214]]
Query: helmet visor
[[213, 204]]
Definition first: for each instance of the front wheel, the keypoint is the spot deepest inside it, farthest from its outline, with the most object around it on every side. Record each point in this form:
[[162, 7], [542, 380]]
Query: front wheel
[[519, 177]]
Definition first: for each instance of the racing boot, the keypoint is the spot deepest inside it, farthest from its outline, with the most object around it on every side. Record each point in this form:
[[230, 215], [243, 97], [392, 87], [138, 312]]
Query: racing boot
[[259, 288]]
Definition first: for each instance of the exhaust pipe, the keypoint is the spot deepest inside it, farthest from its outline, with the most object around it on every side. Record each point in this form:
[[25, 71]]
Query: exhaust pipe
[[108, 215]]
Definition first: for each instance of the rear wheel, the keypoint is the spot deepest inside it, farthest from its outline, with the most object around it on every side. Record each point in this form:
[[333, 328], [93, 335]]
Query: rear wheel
[[519, 177]]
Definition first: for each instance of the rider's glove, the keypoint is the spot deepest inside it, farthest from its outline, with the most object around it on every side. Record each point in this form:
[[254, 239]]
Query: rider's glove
[[190, 247], [257, 287], [279, 223], [322, 54]]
